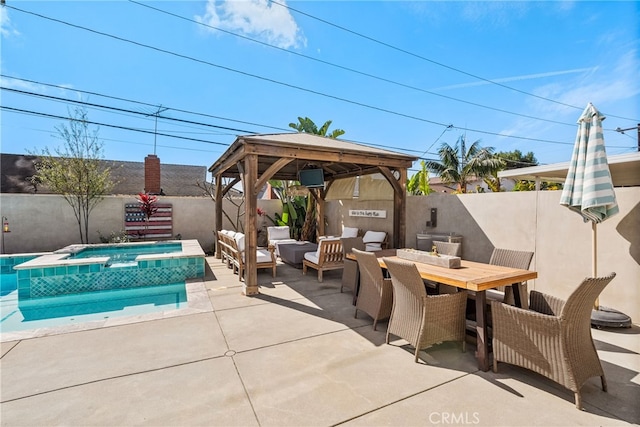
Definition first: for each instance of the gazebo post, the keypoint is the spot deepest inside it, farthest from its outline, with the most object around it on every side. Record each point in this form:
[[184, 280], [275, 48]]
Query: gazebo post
[[250, 286], [218, 213], [400, 210]]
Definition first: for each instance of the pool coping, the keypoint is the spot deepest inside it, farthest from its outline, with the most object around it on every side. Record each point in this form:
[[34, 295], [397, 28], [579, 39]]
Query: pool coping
[[190, 248], [197, 302]]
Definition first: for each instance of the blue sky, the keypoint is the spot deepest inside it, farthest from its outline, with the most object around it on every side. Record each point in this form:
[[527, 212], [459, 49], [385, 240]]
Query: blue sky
[[515, 75]]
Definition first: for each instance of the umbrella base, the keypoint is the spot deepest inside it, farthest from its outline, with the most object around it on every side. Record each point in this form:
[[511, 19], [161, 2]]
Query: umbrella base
[[606, 317]]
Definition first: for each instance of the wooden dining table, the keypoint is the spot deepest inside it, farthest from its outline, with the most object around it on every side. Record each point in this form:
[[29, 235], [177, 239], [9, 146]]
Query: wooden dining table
[[472, 276]]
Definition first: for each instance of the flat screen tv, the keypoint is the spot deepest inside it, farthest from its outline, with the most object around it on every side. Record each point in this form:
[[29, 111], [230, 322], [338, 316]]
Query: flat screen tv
[[311, 178]]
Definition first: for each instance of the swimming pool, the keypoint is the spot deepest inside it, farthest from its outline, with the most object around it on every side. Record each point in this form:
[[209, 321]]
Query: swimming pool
[[88, 268], [140, 287]]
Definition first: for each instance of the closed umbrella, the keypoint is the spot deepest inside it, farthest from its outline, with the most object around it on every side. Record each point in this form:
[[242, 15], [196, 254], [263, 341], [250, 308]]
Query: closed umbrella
[[588, 189]]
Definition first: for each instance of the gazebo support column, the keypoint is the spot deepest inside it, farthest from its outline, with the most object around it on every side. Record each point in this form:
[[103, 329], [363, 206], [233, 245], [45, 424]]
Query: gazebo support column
[[218, 213], [250, 286]]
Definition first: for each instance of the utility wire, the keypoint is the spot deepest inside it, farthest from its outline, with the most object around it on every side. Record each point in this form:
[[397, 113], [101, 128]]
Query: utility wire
[[201, 61], [362, 73], [440, 64], [144, 103], [54, 116]]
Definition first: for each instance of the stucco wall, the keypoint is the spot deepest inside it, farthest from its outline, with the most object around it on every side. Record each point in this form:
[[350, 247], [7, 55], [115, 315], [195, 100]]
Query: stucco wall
[[532, 221]]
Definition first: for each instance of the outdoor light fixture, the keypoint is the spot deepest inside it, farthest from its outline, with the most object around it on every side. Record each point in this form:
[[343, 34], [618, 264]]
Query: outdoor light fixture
[[5, 225]]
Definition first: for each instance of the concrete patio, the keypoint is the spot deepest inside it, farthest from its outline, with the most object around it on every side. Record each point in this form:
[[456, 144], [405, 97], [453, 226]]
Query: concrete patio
[[292, 356]]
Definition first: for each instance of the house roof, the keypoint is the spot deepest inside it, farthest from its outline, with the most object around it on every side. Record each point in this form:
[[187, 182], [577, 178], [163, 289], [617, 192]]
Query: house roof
[[624, 168], [175, 180], [338, 158]]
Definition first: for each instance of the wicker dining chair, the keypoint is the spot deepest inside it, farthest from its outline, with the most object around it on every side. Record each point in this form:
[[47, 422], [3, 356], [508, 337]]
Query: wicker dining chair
[[421, 319], [514, 259], [375, 296], [553, 338], [350, 275]]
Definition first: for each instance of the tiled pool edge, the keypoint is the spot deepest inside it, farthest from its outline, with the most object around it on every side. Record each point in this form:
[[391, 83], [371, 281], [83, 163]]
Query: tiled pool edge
[[52, 274], [197, 299]]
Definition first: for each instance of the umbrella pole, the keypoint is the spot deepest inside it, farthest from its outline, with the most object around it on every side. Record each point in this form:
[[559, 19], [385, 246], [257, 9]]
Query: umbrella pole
[[594, 257]]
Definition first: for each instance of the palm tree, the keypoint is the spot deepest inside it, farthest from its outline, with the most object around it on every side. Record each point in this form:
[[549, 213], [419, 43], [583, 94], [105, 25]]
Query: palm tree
[[458, 165], [307, 125]]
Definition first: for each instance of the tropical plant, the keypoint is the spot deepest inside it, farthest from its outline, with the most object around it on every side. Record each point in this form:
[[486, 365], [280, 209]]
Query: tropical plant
[[307, 125], [149, 207], [418, 184], [458, 165], [75, 170]]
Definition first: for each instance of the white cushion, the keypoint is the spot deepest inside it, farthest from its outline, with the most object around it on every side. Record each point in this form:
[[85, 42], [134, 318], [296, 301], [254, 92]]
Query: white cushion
[[278, 232], [312, 256], [372, 247], [374, 236], [239, 238], [262, 256], [349, 232]]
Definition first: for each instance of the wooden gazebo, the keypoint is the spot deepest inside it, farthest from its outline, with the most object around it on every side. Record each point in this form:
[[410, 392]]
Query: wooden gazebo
[[256, 159]]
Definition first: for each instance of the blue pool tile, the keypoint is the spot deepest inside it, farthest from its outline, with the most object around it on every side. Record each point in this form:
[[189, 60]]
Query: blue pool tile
[[84, 269], [60, 271], [36, 272], [94, 268], [72, 269], [24, 274], [49, 271]]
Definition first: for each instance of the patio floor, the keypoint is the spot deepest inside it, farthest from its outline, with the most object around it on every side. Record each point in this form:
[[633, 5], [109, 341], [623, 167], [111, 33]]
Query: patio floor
[[292, 356]]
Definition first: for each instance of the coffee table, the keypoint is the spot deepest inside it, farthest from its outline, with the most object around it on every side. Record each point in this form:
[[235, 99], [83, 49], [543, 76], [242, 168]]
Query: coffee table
[[293, 253]]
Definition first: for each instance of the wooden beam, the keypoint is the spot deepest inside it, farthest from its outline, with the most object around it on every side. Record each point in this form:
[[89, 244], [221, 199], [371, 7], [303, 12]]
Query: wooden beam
[[399, 186], [324, 156], [266, 175], [230, 185]]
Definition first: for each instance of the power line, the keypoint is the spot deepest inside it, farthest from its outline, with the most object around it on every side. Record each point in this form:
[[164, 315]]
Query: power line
[[54, 116], [384, 110], [415, 55], [352, 70], [144, 103]]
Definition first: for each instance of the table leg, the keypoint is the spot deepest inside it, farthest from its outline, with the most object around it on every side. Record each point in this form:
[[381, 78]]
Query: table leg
[[482, 352], [517, 298]]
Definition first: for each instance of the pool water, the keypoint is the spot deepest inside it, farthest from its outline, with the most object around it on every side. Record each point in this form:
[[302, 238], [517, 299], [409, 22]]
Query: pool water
[[126, 254], [74, 309]]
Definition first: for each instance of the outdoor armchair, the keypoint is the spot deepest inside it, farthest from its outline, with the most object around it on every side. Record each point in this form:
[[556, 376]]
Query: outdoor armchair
[[279, 234], [514, 259], [328, 256], [553, 338], [421, 319], [375, 296], [375, 240]]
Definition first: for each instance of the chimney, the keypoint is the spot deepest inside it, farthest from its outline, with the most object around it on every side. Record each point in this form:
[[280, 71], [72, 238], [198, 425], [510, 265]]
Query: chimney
[[152, 174]]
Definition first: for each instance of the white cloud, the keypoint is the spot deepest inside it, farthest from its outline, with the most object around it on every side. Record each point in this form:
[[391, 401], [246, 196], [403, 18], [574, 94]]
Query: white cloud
[[6, 29], [257, 18], [516, 78]]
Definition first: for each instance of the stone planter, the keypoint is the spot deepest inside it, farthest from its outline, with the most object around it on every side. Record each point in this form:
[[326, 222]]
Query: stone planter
[[424, 257]]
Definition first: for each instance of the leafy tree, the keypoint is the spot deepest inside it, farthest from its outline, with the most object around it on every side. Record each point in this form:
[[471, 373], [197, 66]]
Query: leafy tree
[[75, 170], [306, 125], [457, 165], [515, 159], [418, 184], [524, 185]]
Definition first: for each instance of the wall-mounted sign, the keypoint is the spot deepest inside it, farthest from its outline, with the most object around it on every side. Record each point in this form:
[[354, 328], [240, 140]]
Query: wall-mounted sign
[[369, 213]]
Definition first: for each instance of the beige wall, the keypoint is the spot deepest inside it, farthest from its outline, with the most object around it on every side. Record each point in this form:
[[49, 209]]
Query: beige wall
[[532, 221]]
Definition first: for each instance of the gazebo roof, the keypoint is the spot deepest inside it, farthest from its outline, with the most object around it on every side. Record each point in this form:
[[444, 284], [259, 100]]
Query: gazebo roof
[[338, 158]]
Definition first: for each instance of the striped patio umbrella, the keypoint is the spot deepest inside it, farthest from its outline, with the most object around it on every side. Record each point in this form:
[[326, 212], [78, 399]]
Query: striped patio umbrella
[[588, 189]]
